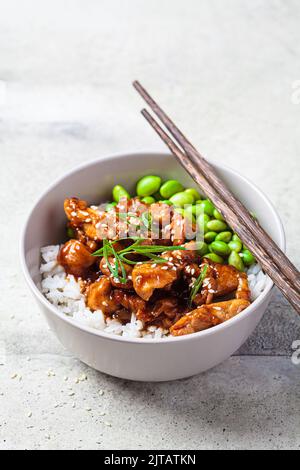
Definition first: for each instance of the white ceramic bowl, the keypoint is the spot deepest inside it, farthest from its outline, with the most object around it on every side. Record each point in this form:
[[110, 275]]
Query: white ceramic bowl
[[138, 359]]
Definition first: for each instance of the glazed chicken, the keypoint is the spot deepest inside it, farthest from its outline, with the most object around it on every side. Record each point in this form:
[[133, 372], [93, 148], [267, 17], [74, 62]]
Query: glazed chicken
[[207, 316], [154, 285]]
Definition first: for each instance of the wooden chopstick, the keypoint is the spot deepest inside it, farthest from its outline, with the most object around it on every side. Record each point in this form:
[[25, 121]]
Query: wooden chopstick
[[263, 256], [272, 270], [278, 257]]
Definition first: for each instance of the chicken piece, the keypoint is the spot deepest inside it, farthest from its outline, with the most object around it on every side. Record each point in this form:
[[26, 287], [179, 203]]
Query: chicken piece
[[132, 206], [167, 306], [161, 213], [243, 291], [147, 277], [181, 257], [84, 217], [182, 228], [131, 302], [75, 258], [122, 315], [206, 316], [227, 279], [99, 297], [221, 280], [209, 285], [115, 281]]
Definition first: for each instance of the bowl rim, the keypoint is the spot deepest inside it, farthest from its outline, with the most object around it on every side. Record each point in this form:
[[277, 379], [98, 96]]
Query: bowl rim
[[146, 341]]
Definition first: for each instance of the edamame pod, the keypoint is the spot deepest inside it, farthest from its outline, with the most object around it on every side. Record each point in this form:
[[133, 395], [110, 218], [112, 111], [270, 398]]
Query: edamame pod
[[170, 187], [236, 261], [217, 215], [119, 192], [202, 248], [207, 206], [215, 225], [203, 221], [210, 236], [148, 185], [248, 257], [235, 245], [181, 199], [148, 200], [193, 192], [224, 236], [215, 258], [220, 248]]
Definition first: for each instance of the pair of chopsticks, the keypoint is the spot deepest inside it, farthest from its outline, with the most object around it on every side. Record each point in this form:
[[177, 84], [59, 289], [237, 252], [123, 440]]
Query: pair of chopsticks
[[273, 261]]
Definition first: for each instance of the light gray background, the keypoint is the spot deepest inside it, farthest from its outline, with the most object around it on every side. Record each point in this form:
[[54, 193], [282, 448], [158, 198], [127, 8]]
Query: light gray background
[[225, 71]]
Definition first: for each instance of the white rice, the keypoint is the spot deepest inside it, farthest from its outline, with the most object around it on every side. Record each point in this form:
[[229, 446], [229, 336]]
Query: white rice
[[64, 292]]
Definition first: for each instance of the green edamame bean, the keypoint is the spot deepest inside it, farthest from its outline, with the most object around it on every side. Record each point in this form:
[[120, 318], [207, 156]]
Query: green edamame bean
[[203, 221], [248, 257], [207, 206], [220, 248], [148, 185], [224, 236], [215, 225], [210, 236], [196, 210], [186, 214], [166, 201], [217, 215], [70, 232], [215, 258], [181, 199], [236, 238], [192, 209], [110, 205], [193, 192], [170, 187], [189, 209], [201, 248], [236, 261], [118, 192], [148, 200], [235, 245]]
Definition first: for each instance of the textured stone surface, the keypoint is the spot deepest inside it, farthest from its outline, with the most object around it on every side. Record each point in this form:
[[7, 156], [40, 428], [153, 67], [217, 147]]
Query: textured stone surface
[[226, 75], [247, 402]]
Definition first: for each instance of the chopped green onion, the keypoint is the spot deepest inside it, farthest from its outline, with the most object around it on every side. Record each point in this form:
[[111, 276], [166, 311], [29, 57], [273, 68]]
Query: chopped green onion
[[198, 284]]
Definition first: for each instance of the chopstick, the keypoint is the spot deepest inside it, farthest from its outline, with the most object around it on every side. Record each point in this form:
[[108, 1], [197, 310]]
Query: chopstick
[[283, 273], [206, 169]]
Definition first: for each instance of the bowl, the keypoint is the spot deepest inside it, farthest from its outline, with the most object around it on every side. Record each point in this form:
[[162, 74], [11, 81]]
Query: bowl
[[139, 359]]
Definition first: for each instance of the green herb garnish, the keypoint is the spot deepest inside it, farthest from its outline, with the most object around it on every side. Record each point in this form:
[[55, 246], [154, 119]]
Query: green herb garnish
[[198, 284], [148, 251]]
